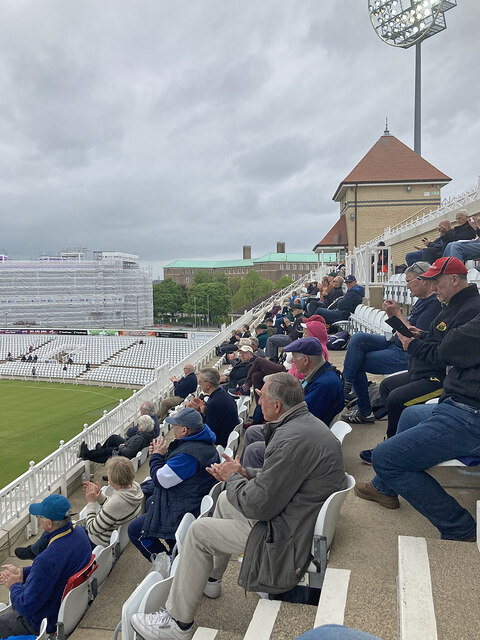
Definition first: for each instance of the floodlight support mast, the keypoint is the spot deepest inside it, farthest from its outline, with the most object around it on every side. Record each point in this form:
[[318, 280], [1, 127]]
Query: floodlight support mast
[[417, 126]]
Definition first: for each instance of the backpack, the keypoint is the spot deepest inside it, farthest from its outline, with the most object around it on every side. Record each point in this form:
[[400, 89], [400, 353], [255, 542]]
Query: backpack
[[338, 341]]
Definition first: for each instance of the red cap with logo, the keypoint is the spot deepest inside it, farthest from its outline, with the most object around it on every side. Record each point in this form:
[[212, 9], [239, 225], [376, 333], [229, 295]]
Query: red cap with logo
[[444, 266]]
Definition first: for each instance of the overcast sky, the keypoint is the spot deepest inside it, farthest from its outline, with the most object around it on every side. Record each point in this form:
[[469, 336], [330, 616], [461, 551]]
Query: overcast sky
[[180, 129]]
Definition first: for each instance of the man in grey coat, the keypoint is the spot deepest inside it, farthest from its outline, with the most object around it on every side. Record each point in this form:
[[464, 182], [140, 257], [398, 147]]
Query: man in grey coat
[[267, 514]]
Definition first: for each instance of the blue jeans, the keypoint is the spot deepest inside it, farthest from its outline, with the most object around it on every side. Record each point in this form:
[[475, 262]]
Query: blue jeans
[[413, 256], [466, 250], [426, 435], [333, 315], [367, 352], [146, 546], [273, 344], [336, 632]]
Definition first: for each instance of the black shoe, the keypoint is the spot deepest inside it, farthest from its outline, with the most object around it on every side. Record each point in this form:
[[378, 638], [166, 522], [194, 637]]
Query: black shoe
[[366, 456], [82, 451], [25, 553], [98, 446], [354, 416]]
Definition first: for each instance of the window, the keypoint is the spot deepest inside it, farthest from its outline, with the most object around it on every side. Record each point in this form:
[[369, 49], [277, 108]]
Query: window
[[282, 266], [187, 280]]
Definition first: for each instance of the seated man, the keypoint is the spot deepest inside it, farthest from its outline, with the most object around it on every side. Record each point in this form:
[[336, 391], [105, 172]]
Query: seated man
[[372, 353], [261, 332], [220, 411], [146, 409], [180, 481], [345, 305], [323, 394], [426, 371], [182, 388], [328, 295], [465, 249], [293, 331], [432, 433], [239, 371], [118, 446], [280, 502], [36, 591], [120, 507], [429, 249]]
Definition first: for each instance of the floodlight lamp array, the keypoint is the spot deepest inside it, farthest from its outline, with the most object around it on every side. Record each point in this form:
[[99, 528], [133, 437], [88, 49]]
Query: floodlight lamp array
[[403, 23]]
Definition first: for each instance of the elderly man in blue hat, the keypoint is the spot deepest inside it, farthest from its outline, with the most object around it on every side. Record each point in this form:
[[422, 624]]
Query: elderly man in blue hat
[[179, 478], [323, 394], [36, 591]]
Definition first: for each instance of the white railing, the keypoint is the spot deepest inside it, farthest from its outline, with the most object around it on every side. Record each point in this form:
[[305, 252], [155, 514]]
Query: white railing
[[53, 471]]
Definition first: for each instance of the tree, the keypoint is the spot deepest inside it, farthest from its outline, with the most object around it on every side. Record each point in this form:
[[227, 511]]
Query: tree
[[234, 284], [209, 298], [284, 281], [251, 288], [202, 276], [168, 298]]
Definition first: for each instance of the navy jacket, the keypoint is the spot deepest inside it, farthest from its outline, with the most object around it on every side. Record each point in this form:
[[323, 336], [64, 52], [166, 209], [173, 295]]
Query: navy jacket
[[221, 415], [351, 299], [40, 595], [324, 394], [186, 385], [422, 314], [170, 505]]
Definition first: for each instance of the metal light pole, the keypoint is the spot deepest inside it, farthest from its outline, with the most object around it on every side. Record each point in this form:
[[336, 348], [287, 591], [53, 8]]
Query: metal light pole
[[194, 313], [208, 311], [404, 23]]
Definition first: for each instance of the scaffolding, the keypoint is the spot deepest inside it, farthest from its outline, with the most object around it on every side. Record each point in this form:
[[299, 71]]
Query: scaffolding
[[105, 292]]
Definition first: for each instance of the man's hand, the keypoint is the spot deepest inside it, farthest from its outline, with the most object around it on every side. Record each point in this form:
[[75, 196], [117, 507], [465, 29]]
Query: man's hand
[[174, 379], [92, 491], [426, 241], [223, 470], [223, 378], [197, 404], [10, 575], [473, 222], [404, 340], [392, 308], [160, 446], [286, 322]]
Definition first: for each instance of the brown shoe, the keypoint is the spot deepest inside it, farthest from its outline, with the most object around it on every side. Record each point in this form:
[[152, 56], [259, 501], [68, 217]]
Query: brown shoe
[[367, 491]]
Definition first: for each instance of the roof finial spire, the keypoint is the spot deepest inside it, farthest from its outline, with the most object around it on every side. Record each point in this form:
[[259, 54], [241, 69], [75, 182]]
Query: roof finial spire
[[386, 132]]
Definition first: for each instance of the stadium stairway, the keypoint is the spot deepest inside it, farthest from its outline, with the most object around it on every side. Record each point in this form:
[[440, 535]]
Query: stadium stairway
[[367, 545]]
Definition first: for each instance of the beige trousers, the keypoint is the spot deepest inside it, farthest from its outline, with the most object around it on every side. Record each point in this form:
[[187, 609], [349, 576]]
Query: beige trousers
[[205, 554], [167, 404]]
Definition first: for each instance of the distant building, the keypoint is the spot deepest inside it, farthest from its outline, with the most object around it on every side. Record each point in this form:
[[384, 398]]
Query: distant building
[[389, 185], [271, 266], [112, 290]]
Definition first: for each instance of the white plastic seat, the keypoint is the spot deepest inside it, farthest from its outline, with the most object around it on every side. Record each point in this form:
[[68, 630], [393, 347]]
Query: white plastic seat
[[105, 557], [123, 539], [155, 598], [42, 634], [132, 604], [340, 429], [327, 518], [233, 441], [206, 505], [73, 608], [181, 532]]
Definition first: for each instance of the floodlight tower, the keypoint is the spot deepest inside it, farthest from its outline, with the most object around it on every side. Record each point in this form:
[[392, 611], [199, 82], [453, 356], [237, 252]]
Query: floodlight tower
[[404, 23]]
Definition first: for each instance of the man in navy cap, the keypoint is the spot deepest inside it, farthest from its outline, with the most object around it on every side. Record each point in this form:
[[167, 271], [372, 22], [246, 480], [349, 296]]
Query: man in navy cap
[[180, 481], [36, 591], [323, 394]]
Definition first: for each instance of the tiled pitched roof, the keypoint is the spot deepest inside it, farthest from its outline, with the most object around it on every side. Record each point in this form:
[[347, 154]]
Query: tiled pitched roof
[[389, 160], [336, 237]]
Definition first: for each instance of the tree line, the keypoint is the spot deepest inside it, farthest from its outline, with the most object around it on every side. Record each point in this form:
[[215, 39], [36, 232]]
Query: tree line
[[211, 295]]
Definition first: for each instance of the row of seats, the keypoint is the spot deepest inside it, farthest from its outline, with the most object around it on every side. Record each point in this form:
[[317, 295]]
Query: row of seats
[[369, 319], [122, 375], [42, 369]]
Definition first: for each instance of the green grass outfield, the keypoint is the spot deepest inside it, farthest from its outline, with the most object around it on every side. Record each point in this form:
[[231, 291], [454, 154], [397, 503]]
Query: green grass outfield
[[35, 416]]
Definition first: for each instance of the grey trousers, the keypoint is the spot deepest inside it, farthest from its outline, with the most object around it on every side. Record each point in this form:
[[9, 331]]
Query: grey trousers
[[254, 448], [14, 624], [205, 554]]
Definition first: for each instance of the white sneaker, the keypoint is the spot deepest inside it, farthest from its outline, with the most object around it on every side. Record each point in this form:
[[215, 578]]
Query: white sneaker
[[213, 589], [159, 626]]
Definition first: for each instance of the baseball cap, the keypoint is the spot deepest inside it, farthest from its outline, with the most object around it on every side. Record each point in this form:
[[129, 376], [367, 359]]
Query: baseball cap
[[246, 348], [53, 507], [444, 266], [350, 278], [307, 346], [187, 418]]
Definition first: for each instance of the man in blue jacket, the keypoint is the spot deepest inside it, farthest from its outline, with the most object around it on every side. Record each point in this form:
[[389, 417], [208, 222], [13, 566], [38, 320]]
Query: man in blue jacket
[[323, 394], [180, 481], [346, 304], [182, 388], [36, 591]]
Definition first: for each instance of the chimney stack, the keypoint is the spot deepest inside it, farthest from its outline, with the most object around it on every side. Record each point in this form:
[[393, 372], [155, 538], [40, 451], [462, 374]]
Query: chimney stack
[[281, 247], [247, 252]]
